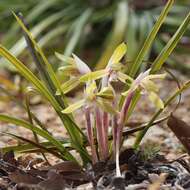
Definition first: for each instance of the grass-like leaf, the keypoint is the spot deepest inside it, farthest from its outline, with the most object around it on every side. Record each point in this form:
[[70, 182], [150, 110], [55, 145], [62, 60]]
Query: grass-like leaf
[[40, 132], [29, 147], [71, 127], [149, 40], [39, 50], [164, 54], [29, 76]]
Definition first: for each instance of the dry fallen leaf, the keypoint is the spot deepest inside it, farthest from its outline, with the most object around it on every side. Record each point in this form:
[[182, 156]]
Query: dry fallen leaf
[[19, 176], [55, 181], [67, 166], [181, 130]]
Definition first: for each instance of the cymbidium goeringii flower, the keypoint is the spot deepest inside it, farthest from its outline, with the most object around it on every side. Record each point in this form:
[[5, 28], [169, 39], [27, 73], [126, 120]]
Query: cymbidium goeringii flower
[[145, 84]]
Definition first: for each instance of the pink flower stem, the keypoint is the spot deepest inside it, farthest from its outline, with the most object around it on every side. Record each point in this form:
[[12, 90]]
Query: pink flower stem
[[105, 135], [123, 114], [114, 132], [90, 135], [121, 123], [100, 134]]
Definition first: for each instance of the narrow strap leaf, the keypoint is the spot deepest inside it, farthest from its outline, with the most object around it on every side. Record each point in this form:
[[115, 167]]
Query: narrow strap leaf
[[49, 67], [40, 132], [164, 54], [73, 130], [149, 40]]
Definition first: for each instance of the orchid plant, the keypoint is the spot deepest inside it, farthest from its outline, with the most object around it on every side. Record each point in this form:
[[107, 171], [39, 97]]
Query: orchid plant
[[99, 103], [105, 114]]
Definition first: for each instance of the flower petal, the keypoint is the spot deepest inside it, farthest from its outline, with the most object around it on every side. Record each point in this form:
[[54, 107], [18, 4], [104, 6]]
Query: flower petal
[[74, 107], [155, 99], [81, 66], [106, 92], [156, 76], [70, 85], [91, 90], [149, 85], [106, 106], [65, 59], [94, 75], [118, 54], [123, 77], [68, 70]]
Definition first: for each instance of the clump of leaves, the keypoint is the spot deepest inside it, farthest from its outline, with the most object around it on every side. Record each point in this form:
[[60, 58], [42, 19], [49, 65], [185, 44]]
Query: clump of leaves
[[103, 111]]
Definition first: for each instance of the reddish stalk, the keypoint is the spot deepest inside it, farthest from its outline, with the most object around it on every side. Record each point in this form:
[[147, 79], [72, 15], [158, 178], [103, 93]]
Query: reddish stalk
[[100, 134], [105, 135], [90, 135], [121, 122], [123, 114], [114, 132]]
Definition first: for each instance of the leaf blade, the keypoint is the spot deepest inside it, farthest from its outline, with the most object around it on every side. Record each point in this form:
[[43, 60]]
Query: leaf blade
[[164, 54], [149, 40]]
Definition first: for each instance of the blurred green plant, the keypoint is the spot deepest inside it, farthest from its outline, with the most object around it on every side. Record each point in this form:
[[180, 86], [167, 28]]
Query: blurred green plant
[[94, 26], [102, 109]]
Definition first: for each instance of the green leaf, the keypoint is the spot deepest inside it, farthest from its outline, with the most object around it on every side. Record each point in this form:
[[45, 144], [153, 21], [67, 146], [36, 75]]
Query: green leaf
[[74, 107], [131, 38], [29, 76], [39, 50], [20, 45], [94, 75], [40, 132], [73, 130], [28, 147], [149, 40], [164, 54]]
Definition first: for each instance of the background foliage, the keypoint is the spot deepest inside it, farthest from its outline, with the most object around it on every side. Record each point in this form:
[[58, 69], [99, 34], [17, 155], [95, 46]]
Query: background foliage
[[88, 26]]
